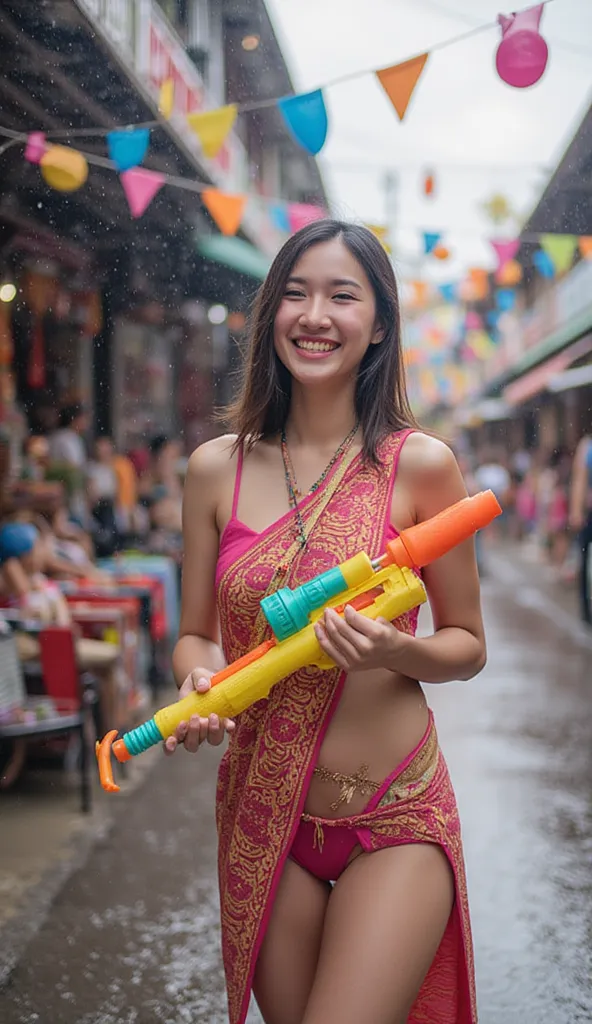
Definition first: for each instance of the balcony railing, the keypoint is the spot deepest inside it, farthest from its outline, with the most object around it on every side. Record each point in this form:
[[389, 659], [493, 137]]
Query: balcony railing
[[151, 51]]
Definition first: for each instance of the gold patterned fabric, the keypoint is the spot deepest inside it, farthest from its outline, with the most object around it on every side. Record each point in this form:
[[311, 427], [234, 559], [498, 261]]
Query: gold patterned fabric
[[265, 773]]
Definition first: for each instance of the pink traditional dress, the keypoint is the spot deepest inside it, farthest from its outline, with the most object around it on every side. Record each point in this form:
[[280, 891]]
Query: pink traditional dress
[[266, 771]]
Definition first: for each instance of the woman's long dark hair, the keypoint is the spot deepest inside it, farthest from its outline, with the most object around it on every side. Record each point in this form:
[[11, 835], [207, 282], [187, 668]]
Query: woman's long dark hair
[[261, 408]]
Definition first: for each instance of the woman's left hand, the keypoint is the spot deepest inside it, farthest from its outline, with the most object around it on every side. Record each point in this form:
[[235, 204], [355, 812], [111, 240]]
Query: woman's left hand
[[355, 642]]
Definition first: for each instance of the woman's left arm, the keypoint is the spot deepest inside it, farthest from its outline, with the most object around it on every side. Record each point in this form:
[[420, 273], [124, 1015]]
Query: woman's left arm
[[457, 649], [430, 480]]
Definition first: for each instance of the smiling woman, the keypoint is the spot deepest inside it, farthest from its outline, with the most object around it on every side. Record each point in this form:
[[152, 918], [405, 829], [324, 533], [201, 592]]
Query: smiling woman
[[334, 788]]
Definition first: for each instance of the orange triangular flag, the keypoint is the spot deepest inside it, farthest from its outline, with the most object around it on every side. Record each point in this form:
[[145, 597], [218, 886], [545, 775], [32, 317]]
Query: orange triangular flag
[[399, 82], [585, 243], [225, 209]]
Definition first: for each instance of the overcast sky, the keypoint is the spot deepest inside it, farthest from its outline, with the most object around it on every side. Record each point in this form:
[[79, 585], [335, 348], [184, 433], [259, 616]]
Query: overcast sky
[[480, 136]]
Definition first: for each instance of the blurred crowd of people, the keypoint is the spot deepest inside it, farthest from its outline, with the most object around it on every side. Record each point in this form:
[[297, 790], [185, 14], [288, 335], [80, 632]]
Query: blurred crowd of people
[[547, 502], [112, 500], [70, 510]]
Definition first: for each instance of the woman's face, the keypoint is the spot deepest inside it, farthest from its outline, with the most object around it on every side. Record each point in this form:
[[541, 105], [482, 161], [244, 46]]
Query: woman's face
[[327, 316]]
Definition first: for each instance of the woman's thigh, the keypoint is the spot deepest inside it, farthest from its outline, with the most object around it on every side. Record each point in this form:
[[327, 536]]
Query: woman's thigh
[[289, 953], [385, 920]]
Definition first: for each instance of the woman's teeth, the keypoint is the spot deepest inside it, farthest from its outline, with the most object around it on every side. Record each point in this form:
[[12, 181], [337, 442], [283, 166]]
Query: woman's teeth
[[316, 346]]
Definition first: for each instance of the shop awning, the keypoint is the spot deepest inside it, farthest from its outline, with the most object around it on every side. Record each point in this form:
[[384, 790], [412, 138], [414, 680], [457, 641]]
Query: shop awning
[[234, 253], [530, 384], [579, 377], [571, 331]]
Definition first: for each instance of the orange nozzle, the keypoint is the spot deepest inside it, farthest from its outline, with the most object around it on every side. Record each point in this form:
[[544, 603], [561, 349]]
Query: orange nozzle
[[425, 542], [103, 752]]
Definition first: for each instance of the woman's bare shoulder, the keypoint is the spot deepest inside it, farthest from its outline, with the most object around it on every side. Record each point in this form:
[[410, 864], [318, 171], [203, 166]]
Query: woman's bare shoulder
[[425, 458], [212, 460]]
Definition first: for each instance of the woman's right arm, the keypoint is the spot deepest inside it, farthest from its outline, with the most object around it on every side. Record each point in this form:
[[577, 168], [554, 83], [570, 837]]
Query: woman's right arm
[[197, 654]]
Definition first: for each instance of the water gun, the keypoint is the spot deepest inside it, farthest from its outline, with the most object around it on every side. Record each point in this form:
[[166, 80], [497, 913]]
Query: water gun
[[383, 587]]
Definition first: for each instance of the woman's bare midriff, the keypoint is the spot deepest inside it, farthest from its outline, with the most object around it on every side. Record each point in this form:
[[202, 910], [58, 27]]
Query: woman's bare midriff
[[380, 719]]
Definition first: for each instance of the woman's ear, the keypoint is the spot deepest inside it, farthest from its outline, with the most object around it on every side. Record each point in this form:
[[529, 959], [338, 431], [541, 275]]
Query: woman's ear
[[378, 336]]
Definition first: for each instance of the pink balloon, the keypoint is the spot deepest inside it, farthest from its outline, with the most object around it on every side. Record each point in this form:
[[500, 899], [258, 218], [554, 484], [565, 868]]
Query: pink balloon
[[522, 55]]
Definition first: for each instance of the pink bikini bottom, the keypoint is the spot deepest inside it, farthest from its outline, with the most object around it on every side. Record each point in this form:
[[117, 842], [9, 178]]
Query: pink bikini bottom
[[324, 852]]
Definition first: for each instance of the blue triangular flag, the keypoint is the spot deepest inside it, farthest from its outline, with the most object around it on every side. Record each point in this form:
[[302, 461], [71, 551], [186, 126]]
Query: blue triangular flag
[[306, 118], [430, 241], [448, 292], [505, 299], [543, 263], [279, 216], [128, 148]]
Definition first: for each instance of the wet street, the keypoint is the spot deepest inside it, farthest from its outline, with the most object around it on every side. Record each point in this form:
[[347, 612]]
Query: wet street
[[133, 936]]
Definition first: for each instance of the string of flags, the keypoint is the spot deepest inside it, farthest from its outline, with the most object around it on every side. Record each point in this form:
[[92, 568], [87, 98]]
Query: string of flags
[[520, 61]]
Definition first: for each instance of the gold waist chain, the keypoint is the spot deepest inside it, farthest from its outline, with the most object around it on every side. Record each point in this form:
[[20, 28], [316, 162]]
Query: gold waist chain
[[349, 783]]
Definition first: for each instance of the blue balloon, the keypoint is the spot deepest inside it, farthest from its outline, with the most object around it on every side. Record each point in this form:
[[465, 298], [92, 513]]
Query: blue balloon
[[127, 149], [306, 119], [543, 263]]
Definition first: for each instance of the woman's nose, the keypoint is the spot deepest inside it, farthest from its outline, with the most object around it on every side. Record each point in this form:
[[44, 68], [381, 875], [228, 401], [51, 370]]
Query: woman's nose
[[315, 314]]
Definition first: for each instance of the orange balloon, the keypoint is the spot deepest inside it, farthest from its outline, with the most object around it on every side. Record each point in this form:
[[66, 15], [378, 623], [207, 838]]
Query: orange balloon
[[510, 273], [441, 252]]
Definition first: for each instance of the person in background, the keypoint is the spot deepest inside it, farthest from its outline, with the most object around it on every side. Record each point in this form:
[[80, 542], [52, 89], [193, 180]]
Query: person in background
[[162, 493], [68, 457], [580, 518], [66, 444], [24, 585], [35, 458], [103, 487]]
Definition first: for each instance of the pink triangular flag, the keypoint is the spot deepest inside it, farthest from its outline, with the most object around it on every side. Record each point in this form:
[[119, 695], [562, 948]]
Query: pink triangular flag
[[140, 187], [505, 250]]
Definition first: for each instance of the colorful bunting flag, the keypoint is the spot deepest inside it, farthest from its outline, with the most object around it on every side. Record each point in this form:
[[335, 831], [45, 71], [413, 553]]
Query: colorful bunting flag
[[505, 249], [382, 234], [166, 99], [448, 292], [128, 148], [473, 321], [213, 127], [430, 241], [140, 186], [560, 249], [35, 148], [476, 288], [505, 299], [400, 80], [225, 209], [585, 244], [306, 118], [510, 273], [302, 214], [279, 217], [543, 263]]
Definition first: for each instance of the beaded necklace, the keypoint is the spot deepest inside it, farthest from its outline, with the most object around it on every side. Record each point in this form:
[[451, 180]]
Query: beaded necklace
[[294, 492]]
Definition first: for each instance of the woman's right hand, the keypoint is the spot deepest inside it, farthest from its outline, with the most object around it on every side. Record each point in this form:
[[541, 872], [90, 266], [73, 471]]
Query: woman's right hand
[[194, 732]]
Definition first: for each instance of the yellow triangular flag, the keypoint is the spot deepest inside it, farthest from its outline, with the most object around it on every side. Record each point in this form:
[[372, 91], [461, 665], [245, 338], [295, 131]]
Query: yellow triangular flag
[[213, 127], [399, 82], [382, 234], [225, 209], [166, 98]]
